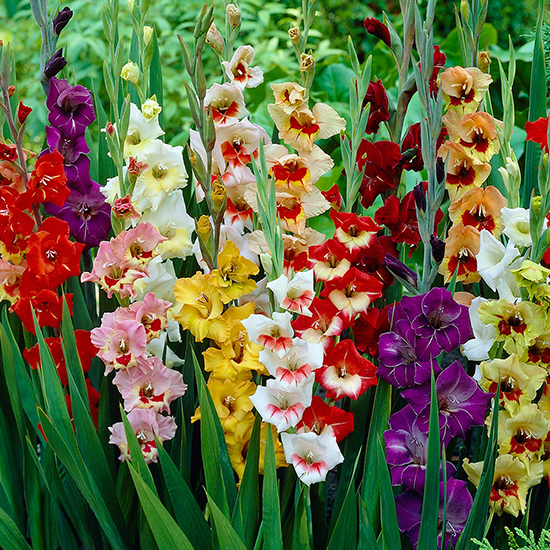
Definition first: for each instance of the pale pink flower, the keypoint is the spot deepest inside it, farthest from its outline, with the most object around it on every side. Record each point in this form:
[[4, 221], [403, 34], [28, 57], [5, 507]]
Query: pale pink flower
[[149, 385], [146, 424], [283, 406], [120, 342], [227, 103], [137, 245], [312, 455], [240, 72]]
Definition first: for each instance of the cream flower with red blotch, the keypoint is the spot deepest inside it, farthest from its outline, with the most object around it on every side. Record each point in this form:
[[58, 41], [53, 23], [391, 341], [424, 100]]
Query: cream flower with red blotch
[[353, 231], [283, 406], [294, 295], [273, 334], [345, 372], [303, 127], [289, 96], [227, 103], [464, 88], [312, 455], [239, 71]]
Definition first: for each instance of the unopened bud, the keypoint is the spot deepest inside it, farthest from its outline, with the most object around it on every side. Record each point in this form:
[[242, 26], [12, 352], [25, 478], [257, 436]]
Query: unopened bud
[[307, 63], [267, 263], [23, 112], [204, 228], [465, 10], [233, 15], [110, 129], [136, 168], [130, 72], [147, 34], [214, 38], [60, 20], [484, 60], [218, 194], [399, 269], [438, 248], [150, 108], [295, 35], [131, 5], [536, 203], [420, 197], [55, 64], [11, 90]]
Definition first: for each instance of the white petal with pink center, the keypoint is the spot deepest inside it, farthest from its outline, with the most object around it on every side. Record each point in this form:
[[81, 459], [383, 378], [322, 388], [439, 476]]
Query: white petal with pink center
[[281, 406], [341, 382], [296, 365], [273, 334], [312, 455], [295, 295]]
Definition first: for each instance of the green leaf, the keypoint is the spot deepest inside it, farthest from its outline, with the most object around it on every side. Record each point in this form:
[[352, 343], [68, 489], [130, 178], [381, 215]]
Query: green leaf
[[246, 514], [430, 505], [367, 538], [475, 525], [271, 513], [335, 81], [155, 77], [302, 536], [218, 472], [10, 536], [188, 514], [167, 534], [388, 515], [228, 538], [537, 109]]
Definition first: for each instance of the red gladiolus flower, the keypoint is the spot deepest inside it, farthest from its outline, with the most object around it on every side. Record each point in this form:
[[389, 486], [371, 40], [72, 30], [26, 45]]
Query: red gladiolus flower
[[378, 99], [52, 258], [345, 372], [333, 196], [48, 308], [538, 132], [47, 182], [367, 329], [378, 29], [322, 418], [15, 225], [7, 152], [380, 161], [333, 260], [371, 260], [352, 231], [23, 112], [439, 62]]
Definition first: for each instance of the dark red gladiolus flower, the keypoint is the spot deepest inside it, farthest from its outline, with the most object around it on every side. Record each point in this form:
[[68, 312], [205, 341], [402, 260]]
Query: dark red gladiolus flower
[[380, 160], [345, 372], [439, 63], [7, 152], [411, 149], [378, 100], [371, 260], [378, 29], [48, 308], [322, 418], [538, 132], [52, 258], [23, 112], [47, 182], [367, 329]]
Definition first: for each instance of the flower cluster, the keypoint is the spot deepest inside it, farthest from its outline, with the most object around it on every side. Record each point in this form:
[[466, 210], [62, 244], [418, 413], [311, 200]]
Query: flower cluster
[[71, 112], [423, 327]]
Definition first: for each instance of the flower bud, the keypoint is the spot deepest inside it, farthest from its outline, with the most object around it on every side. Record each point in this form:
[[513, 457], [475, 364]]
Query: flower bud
[[438, 248], [23, 112], [307, 63], [484, 60], [150, 108], [420, 197], [60, 20], [131, 5], [399, 269], [130, 73], [295, 35], [440, 170], [378, 29], [11, 90], [147, 34], [55, 64], [214, 38], [110, 129], [267, 263], [536, 203], [218, 194], [136, 168], [123, 209], [465, 10], [233, 15], [204, 228]]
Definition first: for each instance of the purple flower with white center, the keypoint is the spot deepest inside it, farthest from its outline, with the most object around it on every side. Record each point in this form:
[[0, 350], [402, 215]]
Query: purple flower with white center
[[457, 508], [403, 361], [87, 213], [407, 451], [460, 402], [71, 107], [438, 319]]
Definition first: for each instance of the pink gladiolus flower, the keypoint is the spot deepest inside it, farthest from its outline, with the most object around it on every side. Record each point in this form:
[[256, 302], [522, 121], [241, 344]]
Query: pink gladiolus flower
[[146, 424], [137, 245], [149, 385]]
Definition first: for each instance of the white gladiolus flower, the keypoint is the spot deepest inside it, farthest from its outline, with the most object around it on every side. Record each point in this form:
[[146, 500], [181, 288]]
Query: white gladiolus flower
[[477, 349], [141, 133], [273, 334], [239, 71], [516, 225], [295, 295]]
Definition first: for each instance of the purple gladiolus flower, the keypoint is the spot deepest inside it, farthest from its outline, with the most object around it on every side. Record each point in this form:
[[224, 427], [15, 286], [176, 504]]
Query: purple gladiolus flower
[[406, 451], [460, 402], [403, 361], [458, 506], [438, 319], [87, 213], [71, 107]]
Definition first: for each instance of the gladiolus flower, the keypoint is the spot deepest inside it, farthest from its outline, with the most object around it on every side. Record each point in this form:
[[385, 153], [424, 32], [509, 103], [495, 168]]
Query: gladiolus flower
[[273, 334], [463, 89], [538, 132], [461, 249], [324, 419]]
